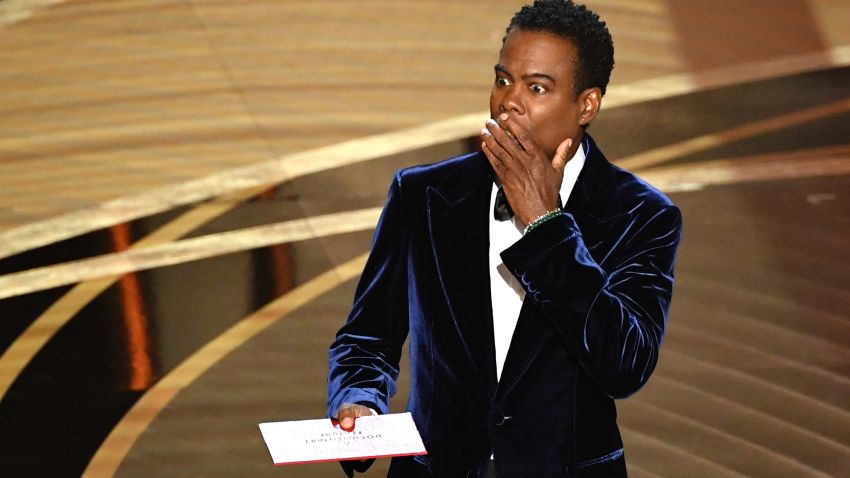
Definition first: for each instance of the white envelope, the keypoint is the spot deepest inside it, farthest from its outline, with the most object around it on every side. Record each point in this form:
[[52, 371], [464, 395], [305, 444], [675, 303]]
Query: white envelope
[[308, 441]]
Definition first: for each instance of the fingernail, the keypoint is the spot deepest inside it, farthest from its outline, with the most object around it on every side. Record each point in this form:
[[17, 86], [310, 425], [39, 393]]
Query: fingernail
[[485, 132], [346, 423], [503, 117], [491, 121]]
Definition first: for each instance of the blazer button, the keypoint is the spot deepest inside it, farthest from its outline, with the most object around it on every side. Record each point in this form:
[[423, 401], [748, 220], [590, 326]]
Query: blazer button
[[504, 419]]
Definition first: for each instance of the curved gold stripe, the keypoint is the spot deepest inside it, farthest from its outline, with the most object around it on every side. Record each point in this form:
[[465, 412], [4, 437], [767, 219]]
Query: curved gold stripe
[[701, 143], [42, 329], [112, 452], [118, 447], [26, 346], [260, 175], [781, 165], [606, 102], [328, 157], [827, 161], [178, 252], [63, 306], [684, 83]]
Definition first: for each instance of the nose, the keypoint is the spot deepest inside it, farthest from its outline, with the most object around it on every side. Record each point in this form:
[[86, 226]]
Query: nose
[[512, 101]]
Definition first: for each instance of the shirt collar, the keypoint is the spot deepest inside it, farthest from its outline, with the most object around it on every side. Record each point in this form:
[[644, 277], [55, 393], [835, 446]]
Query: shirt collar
[[571, 172]]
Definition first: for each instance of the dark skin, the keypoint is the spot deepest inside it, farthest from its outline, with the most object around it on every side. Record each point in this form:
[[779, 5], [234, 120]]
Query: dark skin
[[536, 127], [539, 120]]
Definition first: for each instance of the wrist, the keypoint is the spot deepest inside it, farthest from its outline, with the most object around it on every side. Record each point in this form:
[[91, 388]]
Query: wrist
[[537, 221]]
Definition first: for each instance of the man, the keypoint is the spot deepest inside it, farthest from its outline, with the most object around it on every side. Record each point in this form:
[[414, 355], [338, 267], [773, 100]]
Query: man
[[525, 319]]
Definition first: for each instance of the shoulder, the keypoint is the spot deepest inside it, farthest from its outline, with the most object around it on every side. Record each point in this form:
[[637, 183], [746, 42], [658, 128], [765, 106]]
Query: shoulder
[[436, 173], [613, 190], [647, 204], [634, 192], [447, 177]]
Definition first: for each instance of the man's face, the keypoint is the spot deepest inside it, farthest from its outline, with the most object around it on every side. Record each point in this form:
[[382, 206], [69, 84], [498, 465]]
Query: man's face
[[534, 83]]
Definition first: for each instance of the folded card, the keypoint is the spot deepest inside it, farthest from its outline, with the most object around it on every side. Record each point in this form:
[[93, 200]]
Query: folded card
[[307, 441]]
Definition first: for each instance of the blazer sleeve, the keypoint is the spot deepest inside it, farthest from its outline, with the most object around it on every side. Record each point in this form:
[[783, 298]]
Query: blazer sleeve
[[611, 321], [364, 357]]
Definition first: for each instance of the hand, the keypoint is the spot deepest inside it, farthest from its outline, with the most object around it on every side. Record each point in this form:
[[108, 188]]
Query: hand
[[530, 179], [349, 412]]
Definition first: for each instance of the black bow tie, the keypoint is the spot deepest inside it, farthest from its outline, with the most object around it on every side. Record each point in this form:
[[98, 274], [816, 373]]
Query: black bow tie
[[502, 209]]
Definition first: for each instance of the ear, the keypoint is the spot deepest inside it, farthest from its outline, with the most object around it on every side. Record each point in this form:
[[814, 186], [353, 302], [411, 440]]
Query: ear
[[591, 101]]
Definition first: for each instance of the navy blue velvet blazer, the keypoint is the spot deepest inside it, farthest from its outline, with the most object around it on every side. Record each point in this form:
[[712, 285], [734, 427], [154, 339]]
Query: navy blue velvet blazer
[[598, 284]]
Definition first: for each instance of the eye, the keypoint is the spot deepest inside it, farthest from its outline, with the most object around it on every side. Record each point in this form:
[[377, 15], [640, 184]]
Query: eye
[[538, 89], [502, 81]]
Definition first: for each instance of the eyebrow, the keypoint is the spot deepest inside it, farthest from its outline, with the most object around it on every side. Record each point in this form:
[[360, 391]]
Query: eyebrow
[[501, 68]]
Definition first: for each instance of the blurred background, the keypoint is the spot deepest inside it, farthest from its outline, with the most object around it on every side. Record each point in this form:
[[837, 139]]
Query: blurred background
[[188, 190]]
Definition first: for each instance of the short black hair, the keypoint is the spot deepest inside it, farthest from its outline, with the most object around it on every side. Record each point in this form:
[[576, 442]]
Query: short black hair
[[581, 25]]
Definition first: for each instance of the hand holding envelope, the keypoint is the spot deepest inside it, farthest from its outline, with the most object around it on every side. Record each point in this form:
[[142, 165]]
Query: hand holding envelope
[[349, 412], [308, 441]]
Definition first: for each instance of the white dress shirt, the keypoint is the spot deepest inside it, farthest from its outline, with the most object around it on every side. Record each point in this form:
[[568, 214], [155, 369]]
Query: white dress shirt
[[505, 291]]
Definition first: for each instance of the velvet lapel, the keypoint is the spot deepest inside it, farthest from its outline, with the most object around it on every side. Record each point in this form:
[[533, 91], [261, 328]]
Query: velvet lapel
[[595, 205], [458, 215]]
